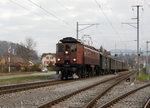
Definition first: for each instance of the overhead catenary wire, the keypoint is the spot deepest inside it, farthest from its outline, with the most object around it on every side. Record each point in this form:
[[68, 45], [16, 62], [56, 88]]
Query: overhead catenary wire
[[46, 11], [43, 9], [110, 23], [62, 5], [148, 5], [14, 2], [50, 13], [18, 5], [37, 13]]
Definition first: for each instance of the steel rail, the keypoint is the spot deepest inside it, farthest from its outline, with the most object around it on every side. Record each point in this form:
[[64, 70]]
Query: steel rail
[[147, 105], [27, 86], [21, 85], [123, 96], [93, 101], [48, 105]]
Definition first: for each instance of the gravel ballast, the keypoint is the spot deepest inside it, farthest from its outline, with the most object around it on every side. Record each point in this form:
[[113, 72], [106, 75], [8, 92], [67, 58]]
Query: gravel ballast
[[36, 97]]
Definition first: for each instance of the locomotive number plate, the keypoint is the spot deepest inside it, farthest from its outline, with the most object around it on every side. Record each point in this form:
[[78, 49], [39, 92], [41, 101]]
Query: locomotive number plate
[[67, 57]]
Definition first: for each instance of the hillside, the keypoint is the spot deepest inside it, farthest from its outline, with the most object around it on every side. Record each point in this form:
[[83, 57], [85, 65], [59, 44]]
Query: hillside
[[4, 45]]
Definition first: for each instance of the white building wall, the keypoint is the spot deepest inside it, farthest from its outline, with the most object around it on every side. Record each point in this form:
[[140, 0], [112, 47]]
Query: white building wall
[[47, 59]]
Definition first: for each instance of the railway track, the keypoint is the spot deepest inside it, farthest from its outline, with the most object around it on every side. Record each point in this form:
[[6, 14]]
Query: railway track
[[67, 97], [147, 105], [28, 86], [114, 101]]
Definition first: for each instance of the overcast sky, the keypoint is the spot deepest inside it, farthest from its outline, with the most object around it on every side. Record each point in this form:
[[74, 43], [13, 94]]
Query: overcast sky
[[48, 21]]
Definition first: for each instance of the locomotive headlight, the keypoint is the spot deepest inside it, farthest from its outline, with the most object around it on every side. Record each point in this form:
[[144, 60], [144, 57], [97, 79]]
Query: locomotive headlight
[[66, 52], [74, 59], [58, 59]]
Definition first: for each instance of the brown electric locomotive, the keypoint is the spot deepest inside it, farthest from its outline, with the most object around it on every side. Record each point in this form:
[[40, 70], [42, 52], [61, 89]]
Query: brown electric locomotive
[[73, 57], [76, 58]]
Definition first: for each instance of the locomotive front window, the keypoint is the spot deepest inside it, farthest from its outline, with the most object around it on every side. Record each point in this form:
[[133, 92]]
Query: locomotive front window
[[67, 47], [61, 48], [73, 48]]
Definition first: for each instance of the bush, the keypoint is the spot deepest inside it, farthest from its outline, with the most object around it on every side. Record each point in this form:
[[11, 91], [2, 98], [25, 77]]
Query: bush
[[3, 68], [50, 68], [36, 67]]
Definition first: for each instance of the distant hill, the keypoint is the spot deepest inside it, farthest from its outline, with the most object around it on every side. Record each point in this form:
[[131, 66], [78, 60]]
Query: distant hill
[[4, 45]]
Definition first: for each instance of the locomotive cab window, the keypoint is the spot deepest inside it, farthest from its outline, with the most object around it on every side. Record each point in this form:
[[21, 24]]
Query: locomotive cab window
[[67, 47], [60, 48], [73, 48]]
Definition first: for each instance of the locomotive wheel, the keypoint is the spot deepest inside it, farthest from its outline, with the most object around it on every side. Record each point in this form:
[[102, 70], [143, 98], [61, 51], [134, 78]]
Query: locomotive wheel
[[66, 77], [84, 72], [79, 73], [91, 72], [62, 75]]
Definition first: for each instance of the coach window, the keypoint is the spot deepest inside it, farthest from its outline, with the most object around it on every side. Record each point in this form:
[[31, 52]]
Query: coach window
[[61, 48], [67, 47], [73, 48]]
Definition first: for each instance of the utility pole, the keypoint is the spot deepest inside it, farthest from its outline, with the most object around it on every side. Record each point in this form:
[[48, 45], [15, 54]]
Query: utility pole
[[77, 29], [137, 27], [138, 54], [147, 56], [9, 54], [87, 26], [115, 58]]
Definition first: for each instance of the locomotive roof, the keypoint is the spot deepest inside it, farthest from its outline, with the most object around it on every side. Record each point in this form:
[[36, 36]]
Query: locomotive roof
[[69, 40], [73, 40]]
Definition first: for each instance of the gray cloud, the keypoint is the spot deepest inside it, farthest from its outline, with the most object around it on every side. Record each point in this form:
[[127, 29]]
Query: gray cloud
[[20, 19]]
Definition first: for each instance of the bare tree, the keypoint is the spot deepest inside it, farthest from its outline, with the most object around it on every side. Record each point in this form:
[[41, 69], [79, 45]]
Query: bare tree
[[27, 49]]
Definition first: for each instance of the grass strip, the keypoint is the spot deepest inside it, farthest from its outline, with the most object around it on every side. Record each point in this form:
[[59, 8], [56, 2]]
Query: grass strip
[[17, 80], [143, 76], [16, 73]]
